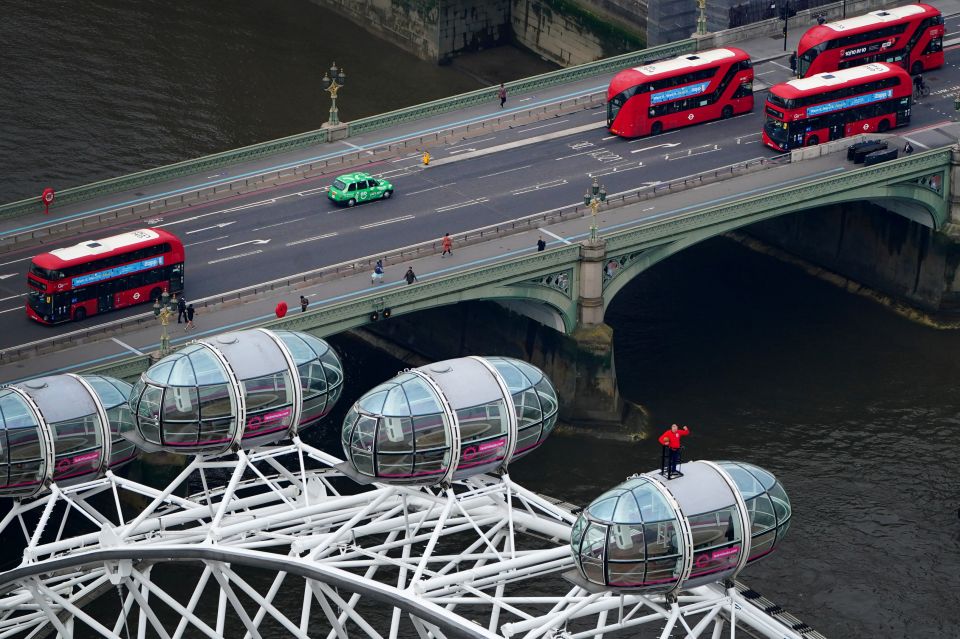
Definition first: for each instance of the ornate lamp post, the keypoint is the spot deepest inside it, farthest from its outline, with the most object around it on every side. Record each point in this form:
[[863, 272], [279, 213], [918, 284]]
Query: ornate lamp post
[[593, 198], [333, 80], [164, 313], [702, 19]]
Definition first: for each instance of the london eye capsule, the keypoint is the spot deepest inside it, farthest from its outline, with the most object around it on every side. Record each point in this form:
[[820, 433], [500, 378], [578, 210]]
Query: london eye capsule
[[81, 419], [26, 458], [236, 390], [450, 419], [653, 535]]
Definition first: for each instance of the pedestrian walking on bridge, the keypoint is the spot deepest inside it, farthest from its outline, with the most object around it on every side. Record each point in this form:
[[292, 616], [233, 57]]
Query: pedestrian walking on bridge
[[410, 276], [182, 309], [502, 94], [303, 303], [447, 245]]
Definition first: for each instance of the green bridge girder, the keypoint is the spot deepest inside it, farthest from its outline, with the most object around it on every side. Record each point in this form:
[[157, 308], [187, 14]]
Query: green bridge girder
[[919, 183]]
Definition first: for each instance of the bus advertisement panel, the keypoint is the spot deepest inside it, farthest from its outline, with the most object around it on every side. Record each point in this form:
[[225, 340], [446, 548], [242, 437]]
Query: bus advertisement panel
[[830, 106], [97, 276], [668, 94], [909, 36]]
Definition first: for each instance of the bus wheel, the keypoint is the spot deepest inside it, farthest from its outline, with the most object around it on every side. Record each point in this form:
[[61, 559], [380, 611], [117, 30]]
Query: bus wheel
[[351, 202], [79, 315], [917, 68], [155, 294], [656, 129], [884, 126], [813, 140], [727, 112]]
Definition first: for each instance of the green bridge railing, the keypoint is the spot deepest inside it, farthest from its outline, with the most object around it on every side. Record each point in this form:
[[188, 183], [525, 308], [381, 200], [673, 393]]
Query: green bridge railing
[[319, 136]]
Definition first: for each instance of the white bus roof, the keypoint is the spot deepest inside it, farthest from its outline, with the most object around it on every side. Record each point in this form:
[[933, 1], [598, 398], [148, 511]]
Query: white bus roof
[[834, 78], [685, 61], [93, 248], [875, 18]]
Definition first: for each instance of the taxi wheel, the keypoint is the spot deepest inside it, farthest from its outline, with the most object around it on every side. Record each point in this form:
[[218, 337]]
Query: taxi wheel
[[387, 194], [351, 202], [79, 315]]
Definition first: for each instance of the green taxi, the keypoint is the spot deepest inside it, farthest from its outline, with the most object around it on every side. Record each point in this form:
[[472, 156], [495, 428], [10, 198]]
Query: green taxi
[[351, 188]]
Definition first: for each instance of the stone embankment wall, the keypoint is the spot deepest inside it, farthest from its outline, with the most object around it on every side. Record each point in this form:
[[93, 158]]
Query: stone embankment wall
[[867, 245], [568, 32]]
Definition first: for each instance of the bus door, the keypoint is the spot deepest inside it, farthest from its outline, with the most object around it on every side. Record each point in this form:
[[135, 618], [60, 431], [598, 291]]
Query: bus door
[[105, 297], [176, 278], [60, 307], [836, 125]]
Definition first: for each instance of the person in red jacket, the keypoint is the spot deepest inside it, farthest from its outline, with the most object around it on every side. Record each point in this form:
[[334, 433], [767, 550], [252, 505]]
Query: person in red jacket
[[671, 439]]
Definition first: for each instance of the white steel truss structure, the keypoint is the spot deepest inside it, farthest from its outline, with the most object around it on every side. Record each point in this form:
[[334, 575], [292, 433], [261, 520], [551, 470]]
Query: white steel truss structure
[[279, 542]]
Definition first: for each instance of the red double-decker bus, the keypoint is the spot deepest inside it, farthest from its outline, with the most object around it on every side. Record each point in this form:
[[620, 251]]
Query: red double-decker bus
[[911, 36], [100, 275], [830, 106], [673, 93]]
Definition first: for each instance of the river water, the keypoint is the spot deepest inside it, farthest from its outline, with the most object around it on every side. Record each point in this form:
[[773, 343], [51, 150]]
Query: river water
[[855, 409]]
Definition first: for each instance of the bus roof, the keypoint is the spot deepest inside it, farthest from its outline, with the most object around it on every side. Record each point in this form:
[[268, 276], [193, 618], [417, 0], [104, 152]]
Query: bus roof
[[687, 62], [673, 66], [830, 30], [84, 251], [853, 75]]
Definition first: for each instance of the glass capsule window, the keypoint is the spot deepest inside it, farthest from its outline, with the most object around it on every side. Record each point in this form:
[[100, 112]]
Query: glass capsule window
[[23, 465], [320, 371], [113, 394], [628, 538], [185, 402], [767, 505], [398, 432], [534, 401]]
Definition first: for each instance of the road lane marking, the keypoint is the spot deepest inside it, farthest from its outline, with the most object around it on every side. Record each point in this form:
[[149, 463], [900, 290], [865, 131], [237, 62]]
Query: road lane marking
[[540, 187], [525, 166], [320, 189], [207, 228], [8, 275], [224, 248], [562, 239], [432, 188], [15, 308], [230, 210], [466, 150], [619, 168], [4, 299], [234, 257], [212, 239], [471, 142], [352, 146], [23, 259], [669, 145], [521, 143], [460, 205], [270, 226], [915, 143], [311, 239], [545, 125], [402, 218], [127, 346]]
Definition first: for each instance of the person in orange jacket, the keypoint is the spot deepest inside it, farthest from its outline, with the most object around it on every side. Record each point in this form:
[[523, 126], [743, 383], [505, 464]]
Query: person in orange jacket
[[671, 439]]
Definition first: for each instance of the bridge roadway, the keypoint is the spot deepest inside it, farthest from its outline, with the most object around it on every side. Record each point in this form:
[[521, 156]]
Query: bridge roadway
[[254, 310], [486, 179]]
